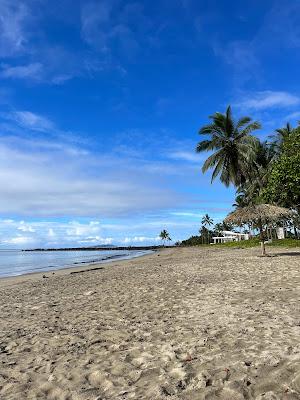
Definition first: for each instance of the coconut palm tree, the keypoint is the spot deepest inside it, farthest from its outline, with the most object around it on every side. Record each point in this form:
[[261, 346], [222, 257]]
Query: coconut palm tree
[[206, 223], [218, 228], [250, 192], [164, 235], [280, 136], [241, 199], [233, 145]]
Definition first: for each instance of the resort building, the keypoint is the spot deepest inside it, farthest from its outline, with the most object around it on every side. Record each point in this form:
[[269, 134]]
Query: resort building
[[228, 236]]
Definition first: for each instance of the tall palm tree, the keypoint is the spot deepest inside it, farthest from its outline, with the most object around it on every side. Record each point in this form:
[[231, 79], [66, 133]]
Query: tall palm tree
[[241, 199], [250, 192], [285, 132], [233, 145], [280, 136], [206, 223], [164, 235], [218, 228]]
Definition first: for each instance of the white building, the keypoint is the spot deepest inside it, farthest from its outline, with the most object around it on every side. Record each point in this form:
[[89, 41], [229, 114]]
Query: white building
[[229, 236]]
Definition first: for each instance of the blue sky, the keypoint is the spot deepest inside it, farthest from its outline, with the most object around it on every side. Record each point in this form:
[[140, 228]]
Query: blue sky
[[101, 102]]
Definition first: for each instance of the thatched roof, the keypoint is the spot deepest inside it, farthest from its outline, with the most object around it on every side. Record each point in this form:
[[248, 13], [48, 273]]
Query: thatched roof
[[260, 212]]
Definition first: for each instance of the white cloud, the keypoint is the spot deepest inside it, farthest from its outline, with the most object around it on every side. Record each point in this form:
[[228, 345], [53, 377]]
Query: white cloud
[[78, 229], [96, 240], [93, 16], [25, 227], [186, 156], [187, 214], [108, 26], [140, 239], [13, 35], [268, 99], [31, 71], [51, 233], [294, 115], [19, 241], [60, 183], [30, 120]]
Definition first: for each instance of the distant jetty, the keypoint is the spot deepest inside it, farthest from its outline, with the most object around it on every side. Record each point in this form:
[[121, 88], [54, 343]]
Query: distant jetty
[[134, 248]]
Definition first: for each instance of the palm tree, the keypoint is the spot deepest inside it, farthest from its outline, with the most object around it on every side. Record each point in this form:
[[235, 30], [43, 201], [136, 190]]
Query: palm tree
[[164, 235], [233, 145], [283, 133], [250, 192], [242, 199], [280, 136], [218, 228], [203, 233], [206, 223]]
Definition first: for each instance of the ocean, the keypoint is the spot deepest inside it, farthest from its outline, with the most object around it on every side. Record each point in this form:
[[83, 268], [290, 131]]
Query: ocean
[[17, 262]]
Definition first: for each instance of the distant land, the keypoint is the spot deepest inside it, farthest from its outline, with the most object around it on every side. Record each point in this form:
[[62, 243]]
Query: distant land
[[99, 248]]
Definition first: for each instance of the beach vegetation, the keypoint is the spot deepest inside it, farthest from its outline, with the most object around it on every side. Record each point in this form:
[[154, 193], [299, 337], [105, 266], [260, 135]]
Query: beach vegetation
[[164, 236], [204, 231], [232, 145], [263, 172]]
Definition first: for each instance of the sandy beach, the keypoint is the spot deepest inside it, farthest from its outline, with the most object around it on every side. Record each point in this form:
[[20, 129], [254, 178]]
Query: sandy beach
[[187, 323]]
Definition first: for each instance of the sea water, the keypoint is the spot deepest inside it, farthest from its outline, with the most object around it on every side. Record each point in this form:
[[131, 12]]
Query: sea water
[[17, 262]]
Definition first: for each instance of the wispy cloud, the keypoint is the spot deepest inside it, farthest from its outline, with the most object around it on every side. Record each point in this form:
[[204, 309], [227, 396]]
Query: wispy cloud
[[293, 116], [30, 120], [279, 30], [268, 99], [94, 17], [241, 56], [54, 178], [13, 31], [189, 156], [111, 27], [31, 71], [140, 239]]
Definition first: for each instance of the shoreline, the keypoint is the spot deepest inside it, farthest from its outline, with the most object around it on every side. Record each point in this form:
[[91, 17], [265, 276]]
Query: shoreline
[[120, 248], [65, 270]]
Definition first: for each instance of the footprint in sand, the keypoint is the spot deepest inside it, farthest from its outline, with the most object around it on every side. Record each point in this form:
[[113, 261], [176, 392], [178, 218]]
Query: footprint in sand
[[99, 380]]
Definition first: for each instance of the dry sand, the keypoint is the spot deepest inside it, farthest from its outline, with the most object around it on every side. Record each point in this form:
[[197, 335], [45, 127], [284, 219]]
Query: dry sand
[[181, 324]]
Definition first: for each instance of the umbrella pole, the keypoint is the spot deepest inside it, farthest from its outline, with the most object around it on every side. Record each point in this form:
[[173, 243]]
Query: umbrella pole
[[262, 238]]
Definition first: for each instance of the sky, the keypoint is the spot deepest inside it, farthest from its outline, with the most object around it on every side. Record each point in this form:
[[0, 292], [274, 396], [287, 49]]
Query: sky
[[101, 102]]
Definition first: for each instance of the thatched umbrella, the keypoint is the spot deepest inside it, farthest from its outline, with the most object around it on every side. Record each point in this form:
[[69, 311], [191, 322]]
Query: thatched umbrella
[[260, 215]]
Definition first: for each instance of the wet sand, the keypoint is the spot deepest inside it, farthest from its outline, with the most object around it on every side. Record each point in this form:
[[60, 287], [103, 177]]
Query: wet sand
[[185, 323]]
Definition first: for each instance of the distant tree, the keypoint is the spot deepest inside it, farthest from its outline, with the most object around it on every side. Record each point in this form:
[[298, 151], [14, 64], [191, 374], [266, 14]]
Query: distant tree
[[203, 231], [233, 145], [219, 228], [206, 223], [192, 241], [164, 235]]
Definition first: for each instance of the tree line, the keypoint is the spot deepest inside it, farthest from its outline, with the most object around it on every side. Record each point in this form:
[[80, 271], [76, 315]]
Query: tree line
[[265, 171], [262, 171]]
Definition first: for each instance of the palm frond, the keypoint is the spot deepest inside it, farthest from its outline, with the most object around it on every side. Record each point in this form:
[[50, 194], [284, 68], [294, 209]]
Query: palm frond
[[205, 145], [253, 126], [211, 161], [242, 122]]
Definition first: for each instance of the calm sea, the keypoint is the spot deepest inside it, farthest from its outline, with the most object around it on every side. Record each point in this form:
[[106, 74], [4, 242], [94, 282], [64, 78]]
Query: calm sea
[[16, 262]]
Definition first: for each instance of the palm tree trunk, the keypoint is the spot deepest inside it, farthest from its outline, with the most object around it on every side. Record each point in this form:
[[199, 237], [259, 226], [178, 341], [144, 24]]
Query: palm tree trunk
[[262, 238], [296, 232]]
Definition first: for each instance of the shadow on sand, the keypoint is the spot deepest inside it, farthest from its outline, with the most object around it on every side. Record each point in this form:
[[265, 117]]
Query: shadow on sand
[[292, 253]]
